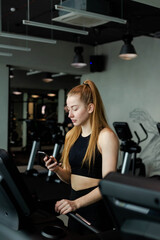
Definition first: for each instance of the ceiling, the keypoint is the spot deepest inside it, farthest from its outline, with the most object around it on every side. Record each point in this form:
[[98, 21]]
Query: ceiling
[[142, 19]]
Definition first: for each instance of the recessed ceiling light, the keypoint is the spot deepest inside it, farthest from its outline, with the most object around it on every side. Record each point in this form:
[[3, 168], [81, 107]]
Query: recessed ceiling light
[[17, 92], [77, 77], [12, 9], [51, 94], [35, 96]]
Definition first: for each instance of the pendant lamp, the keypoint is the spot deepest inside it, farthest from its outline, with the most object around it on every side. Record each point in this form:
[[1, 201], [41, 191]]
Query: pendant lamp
[[78, 61], [128, 51]]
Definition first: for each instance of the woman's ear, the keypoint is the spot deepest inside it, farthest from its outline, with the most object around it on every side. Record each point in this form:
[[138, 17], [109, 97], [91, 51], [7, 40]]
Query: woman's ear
[[90, 107]]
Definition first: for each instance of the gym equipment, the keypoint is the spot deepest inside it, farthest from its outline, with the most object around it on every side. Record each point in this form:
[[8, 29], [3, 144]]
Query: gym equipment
[[130, 148], [43, 184], [83, 221], [18, 209], [133, 202], [30, 166], [57, 141], [20, 215]]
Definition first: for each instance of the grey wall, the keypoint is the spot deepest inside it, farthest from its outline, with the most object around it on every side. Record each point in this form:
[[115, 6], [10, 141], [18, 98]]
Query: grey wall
[[131, 93], [129, 89], [46, 57], [4, 86]]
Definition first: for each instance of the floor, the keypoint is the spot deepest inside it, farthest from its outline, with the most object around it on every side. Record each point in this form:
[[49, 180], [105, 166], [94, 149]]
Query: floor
[[64, 218]]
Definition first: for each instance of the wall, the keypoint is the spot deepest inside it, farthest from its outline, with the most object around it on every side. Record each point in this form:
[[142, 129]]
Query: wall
[[130, 91], [4, 86], [52, 58], [45, 57]]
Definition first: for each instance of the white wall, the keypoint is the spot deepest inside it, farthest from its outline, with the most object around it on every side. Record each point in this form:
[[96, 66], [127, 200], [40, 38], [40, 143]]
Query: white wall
[[129, 89], [45, 57], [131, 93], [4, 89]]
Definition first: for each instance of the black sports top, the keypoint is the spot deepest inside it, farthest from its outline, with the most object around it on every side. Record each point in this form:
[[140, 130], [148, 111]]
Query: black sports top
[[76, 156]]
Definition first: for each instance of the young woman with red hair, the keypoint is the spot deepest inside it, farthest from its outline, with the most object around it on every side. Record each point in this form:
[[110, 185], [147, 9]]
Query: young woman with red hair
[[90, 152]]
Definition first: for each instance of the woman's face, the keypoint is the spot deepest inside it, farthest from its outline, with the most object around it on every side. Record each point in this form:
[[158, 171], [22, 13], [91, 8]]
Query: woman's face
[[79, 113]]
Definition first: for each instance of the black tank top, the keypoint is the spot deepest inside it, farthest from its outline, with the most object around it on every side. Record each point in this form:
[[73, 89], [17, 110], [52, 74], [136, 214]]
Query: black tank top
[[76, 156]]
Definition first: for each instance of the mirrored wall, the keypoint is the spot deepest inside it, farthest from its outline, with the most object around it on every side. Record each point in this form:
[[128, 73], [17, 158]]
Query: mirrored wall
[[33, 108]]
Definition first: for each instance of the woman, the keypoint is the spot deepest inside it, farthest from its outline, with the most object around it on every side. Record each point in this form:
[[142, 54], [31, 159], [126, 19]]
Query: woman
[[90, 152]]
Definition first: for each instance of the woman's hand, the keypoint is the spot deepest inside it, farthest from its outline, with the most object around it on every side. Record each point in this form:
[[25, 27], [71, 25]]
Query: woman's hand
[[51, 163], [65, 206]]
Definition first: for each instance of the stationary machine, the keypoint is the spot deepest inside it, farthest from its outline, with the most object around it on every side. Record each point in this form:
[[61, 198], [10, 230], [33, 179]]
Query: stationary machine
[[57, 139], [19, 210], [132, 201], [134, 204], [130, 149], [23, 216]]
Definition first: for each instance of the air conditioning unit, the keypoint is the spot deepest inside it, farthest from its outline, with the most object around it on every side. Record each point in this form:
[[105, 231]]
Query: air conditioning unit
[[78, 19]]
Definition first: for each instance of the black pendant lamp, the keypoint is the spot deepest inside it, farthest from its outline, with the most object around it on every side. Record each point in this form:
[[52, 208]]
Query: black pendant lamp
[[128, 51], [48, 78], [78, 61]]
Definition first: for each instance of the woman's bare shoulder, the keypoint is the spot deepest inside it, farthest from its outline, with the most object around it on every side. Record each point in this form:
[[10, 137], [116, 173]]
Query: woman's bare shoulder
[[107, 133]]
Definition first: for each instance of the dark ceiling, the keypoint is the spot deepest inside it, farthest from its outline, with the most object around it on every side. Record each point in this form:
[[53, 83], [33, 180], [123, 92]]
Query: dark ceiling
[[141, 19]]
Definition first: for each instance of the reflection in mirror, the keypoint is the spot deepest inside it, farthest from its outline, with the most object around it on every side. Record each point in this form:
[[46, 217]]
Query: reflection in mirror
[[34, 108], [31, 118]]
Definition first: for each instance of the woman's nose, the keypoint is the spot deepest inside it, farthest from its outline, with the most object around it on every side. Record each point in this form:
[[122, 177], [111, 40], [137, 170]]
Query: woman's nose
[[70, 114]]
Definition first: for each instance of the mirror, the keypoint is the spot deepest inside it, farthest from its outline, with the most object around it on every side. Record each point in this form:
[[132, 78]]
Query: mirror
[[33, 108]]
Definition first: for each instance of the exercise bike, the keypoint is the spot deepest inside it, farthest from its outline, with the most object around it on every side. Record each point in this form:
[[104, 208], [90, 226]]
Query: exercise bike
[[130, 163]]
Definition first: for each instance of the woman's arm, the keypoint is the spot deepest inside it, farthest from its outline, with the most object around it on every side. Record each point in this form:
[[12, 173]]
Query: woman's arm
[[108, 144], [65, 206], [62, 173]]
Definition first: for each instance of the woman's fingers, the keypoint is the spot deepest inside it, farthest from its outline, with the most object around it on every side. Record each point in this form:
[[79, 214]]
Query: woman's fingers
[[45, 158], [50, 163], [63, 206]]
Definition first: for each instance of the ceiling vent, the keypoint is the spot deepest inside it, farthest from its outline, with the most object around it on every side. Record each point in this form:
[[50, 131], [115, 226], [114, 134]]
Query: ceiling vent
[[153, 3], [84, 20]]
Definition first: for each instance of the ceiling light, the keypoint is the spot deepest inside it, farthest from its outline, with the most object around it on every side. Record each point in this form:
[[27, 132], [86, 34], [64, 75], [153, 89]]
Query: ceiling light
[[15, 47], [128, 51], [32, 72], [6, 54], [51, 94], [26, 37], [48, 78], [58, 28], [77, 77], [58, 74], [11, 75], [12, 9], [17, 92], [35, 96], [78, 61]]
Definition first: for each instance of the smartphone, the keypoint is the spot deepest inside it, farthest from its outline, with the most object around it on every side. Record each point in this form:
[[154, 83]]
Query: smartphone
[[43, 154]]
